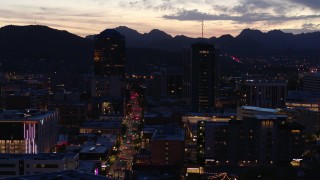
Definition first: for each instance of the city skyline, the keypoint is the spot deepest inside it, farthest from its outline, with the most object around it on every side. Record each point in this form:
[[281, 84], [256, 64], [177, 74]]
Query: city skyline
[[176, 17]]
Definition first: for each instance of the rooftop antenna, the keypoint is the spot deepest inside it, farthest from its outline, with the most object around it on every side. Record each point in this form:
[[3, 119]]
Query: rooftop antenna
[[202, 24]]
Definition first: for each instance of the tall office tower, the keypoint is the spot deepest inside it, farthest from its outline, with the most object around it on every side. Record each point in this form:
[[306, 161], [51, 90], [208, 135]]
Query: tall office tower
[[109, 68], [265, 93], [109, 53], [186, 76], [311, 82], [200, 77]]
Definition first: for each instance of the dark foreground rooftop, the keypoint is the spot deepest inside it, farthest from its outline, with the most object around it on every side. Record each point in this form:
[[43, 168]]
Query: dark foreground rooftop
[[69, 174]]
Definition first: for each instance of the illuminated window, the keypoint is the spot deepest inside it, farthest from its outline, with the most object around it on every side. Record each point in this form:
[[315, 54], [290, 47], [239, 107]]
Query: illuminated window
[[295, 131], [204, 52]]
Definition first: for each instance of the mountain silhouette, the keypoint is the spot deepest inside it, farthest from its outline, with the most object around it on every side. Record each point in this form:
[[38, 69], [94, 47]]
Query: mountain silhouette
[[42, 42], [43, 48], [248, 42], [276, 39], [47, 49]]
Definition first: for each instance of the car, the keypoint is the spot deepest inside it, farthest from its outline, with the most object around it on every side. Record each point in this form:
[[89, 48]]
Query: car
[[128, 142], [123, 158]]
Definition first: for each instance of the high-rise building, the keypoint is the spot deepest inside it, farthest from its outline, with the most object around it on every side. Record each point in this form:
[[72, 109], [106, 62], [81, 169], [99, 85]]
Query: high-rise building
[[109, 67], [200, 77], [109, 53]]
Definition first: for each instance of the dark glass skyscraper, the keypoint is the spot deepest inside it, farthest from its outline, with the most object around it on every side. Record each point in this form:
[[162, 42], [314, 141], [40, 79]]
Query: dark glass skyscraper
[[201, 77], [109, 53]]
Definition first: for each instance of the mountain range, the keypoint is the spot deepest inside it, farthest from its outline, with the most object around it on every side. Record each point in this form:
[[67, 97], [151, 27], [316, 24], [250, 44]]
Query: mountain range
[[23, 43], [248, 38]]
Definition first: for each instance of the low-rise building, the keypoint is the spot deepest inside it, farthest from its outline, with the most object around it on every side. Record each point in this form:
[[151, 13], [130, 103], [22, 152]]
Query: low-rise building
[[26, 164], [28, 131], [67, 174], [265, 138], [167, 146], [101, 127]]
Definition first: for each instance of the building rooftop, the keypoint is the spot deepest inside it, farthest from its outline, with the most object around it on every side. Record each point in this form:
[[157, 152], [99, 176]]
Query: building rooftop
[[110, 33], [170, 132], [213, 117], [210, 114], [303, 96], [314, 75], [69, 174], [29, 114], [265, 81], [95, 149], [270, 116], [102, 124], [254, 108], [88, 166], [40, 156]]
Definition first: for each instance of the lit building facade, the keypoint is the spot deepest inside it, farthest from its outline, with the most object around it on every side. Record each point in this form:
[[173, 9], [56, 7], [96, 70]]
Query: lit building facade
[[70, 114], [200, 77], [27, 164], [307, 100], [167, 146], [264, 93], [109, 67], [311, 82], [28, 131], [264, 139], [102, 127]]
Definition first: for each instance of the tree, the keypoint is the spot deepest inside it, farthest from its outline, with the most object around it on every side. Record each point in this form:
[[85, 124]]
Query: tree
[[124, 129]]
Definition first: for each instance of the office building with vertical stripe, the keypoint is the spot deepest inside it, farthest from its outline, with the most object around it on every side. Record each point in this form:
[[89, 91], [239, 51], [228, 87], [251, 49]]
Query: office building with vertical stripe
[[28, 132]]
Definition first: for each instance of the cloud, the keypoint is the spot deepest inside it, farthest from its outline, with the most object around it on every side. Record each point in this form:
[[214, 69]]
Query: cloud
[[310, 26], [146, 4], [245, 6], [195, 15], [313, 4], [255, 7], [249, 6]]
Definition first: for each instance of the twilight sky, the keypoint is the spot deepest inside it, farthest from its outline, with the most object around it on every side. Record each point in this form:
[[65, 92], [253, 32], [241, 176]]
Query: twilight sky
[[176, 17]]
